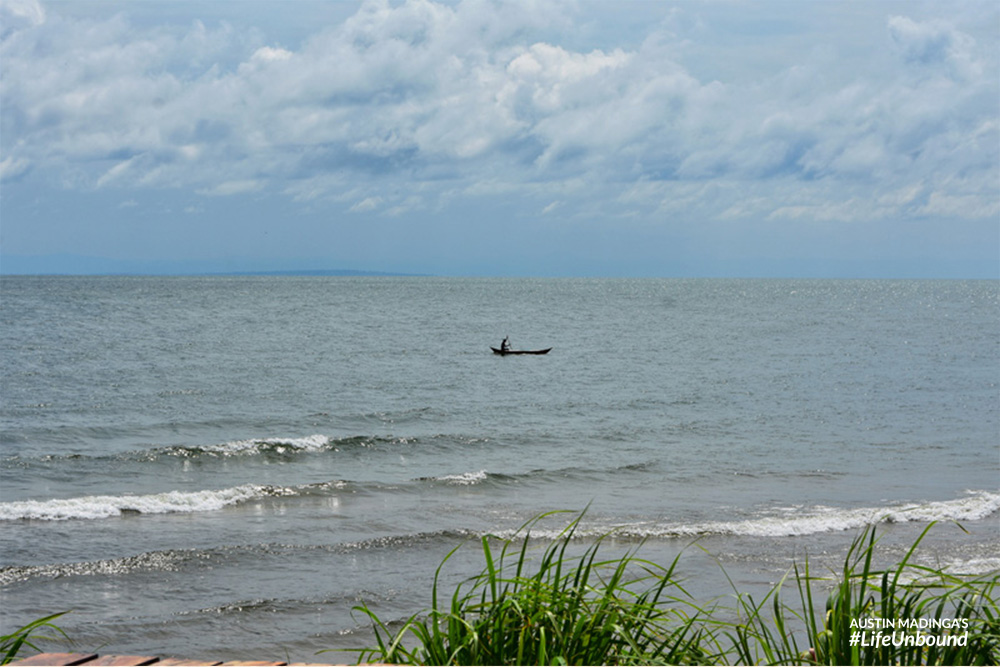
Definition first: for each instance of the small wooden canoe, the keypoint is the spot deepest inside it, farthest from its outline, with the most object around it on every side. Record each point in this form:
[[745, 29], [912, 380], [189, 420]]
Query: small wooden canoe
[[506, 352]]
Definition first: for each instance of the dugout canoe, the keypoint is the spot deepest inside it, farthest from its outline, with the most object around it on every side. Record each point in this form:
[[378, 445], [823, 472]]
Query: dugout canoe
[[506, 352]]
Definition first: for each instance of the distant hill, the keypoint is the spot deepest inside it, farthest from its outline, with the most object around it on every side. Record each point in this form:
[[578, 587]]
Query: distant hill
[[67, 264], [319, 272]]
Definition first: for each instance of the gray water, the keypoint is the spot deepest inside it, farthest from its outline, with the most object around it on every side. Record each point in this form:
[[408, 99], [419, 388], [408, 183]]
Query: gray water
[[223, 467]]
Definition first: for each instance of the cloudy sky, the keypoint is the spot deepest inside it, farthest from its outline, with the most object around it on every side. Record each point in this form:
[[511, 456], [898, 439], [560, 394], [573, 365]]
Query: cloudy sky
[[716, 138]]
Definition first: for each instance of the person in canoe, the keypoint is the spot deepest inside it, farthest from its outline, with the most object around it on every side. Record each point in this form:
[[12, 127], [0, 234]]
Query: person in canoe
[[505, 345]]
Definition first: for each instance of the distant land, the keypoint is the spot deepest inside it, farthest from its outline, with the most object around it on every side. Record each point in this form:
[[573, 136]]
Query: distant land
[[94, 266], [82, 265], [317, 272]]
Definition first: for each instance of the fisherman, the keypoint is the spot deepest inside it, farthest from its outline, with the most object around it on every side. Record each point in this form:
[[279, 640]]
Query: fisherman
[[505, 345]]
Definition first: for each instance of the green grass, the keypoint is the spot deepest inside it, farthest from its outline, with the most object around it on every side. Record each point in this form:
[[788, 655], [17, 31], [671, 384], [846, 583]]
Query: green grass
[[535, 608], [11, 645], [563, 610], [541, 606], [863, 595]]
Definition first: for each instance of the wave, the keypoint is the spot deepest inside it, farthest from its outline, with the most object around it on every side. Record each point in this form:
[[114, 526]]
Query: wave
[[308, 606], [247, 447], [971, 566], [412, 539], [267, 447], [175, 560], [472, 478], [170, 502], [310, 443], [170, 560], [466, 478], [151, 561], [792, 522], [101, 507]]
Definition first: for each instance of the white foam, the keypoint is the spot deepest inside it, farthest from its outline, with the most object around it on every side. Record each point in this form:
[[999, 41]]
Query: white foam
[[466, 478], [977, 505], [798, 521], [99, 507], [973, 566], [308, 443]]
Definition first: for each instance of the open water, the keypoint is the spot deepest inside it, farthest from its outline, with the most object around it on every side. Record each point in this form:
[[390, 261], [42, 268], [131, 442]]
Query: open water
[[222, 467]]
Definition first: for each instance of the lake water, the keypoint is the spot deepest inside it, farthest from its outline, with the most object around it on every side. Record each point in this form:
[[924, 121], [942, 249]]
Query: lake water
[[222, 467]]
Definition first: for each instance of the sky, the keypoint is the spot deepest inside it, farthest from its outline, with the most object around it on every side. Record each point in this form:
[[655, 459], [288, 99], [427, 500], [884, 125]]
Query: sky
[[532, 138]]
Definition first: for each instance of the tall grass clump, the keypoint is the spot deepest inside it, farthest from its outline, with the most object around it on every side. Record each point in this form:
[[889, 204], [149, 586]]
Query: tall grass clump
[[524, 609], [11, 645], [905, 614]]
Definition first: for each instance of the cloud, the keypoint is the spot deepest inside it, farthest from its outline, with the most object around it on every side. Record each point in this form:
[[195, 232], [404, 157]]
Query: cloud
[[366, 204], [935, 42], [551, 207], [16, 14], [229, 188], [267, 54], [436, 102], [11, 168]]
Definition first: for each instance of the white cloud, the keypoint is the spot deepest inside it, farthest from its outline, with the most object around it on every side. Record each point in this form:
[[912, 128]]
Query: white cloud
[[11, 167], [366, 204], [947, 205], [17, 13], [229, 188], [935, 42], [551, 207], [444, 101], [115, 172], [270, 54]]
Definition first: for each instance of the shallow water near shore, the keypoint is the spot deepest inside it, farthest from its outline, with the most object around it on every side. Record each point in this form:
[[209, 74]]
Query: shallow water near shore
[[224, 466]]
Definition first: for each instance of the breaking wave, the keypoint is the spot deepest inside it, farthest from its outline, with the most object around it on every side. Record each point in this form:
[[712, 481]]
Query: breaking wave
[[312, 443], [975, 506], [100, 507], [795, 522], [463, 479], [249, 447]]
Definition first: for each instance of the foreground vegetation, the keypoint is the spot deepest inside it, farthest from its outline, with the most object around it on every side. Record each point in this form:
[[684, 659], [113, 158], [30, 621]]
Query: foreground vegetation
[[531, 609], [533, 606], [11, 645]]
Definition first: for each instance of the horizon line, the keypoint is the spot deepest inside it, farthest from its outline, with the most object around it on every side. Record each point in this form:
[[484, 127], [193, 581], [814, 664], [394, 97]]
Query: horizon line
[[347, 273]]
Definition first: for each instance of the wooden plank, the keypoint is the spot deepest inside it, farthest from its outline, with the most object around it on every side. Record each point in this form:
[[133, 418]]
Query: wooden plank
[[123, 660], [93, 659], [55, 659]]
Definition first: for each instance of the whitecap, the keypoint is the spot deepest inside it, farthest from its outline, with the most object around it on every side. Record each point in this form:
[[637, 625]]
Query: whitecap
[[308, 443], [465, 479], [822, 519], [99, 507]]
